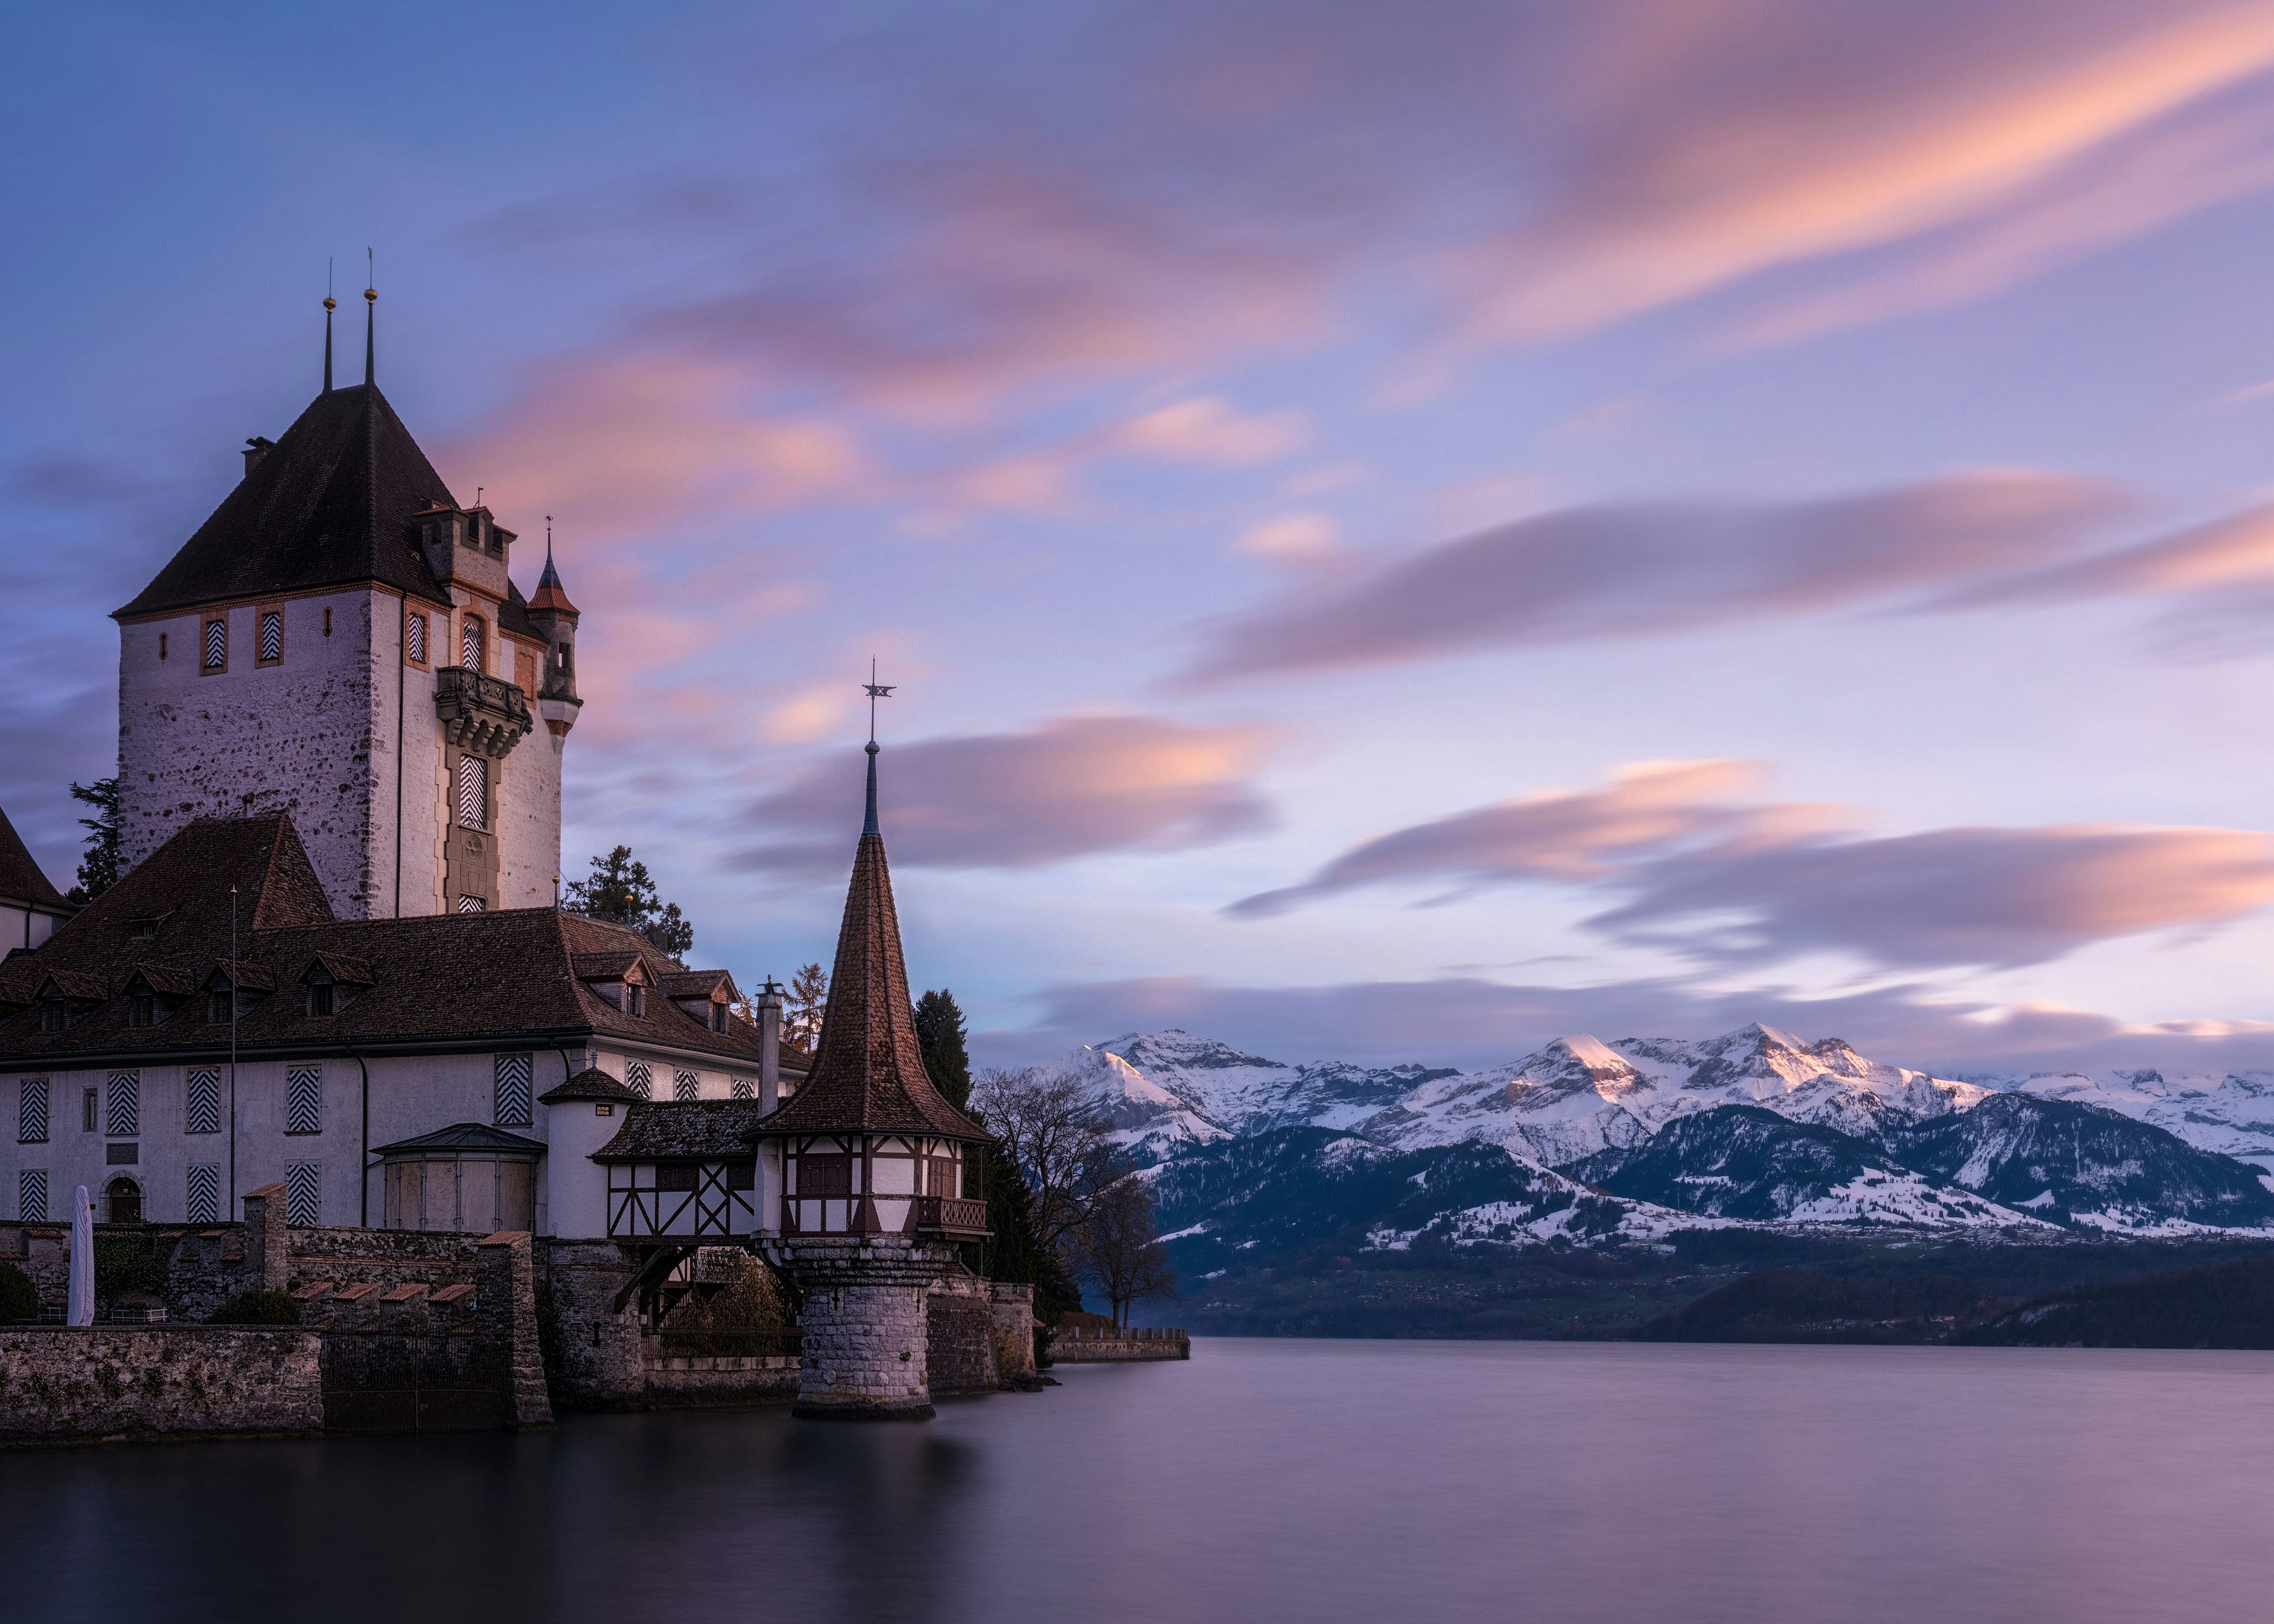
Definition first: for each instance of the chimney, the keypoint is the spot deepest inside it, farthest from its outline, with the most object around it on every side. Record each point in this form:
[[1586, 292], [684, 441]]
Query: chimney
[[259, 447], [770, 1014]]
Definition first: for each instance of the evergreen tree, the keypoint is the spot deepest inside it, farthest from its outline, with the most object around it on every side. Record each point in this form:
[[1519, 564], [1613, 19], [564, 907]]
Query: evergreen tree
[[620, 891], [1015, 1253], [939, 1029], [801, 1007], [98, 871]]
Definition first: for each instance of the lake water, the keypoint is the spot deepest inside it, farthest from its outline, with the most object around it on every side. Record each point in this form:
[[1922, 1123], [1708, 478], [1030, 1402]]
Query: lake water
[[1264, 1480]]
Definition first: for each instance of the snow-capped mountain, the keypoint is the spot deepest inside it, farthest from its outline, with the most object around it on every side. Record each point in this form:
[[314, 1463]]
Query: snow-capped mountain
[[1747, 1162], [1756, 1126]]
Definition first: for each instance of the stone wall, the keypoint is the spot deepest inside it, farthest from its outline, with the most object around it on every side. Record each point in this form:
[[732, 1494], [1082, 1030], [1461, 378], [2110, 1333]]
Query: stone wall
[[700, 1382], [1014, 1335], [99, 1383], [43, 1251], [1080, 1345], [960, 1337], [864, 1353], [591, 1347]]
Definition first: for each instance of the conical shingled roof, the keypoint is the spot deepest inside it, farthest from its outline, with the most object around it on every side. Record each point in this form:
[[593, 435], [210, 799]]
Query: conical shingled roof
[[867, 1073], [21, 879], [330, 505]]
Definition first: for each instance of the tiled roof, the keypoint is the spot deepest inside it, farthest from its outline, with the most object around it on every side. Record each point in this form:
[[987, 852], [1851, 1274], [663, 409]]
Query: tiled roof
[[21, 879], [501, 977], [592, 1083], [685, 1131], [868, 1072], [606, 967], [698, 983], [466, 1136]]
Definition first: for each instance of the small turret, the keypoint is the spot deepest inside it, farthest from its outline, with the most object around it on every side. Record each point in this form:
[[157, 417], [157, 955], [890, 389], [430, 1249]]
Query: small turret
[[556, 617]]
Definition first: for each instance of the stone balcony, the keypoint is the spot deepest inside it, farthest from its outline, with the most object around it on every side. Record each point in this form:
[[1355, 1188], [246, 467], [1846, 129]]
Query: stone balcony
[[485, 715]]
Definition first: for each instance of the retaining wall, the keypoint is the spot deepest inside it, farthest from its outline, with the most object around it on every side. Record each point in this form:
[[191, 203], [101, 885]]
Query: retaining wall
[[1082, 1345], [90, 1384]]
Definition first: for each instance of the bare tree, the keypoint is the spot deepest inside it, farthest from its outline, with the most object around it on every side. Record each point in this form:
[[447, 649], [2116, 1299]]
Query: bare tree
[[1118, 1250], [1054, 1130]]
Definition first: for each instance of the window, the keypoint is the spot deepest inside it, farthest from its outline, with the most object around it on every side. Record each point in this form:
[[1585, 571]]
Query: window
[[471, 905], [216, 657], [328, 622], [31, 1111], [639, 1079], [473, 792], [204, 1193], [414, 638], [740, 1087], [141, 1009], [124, 1120], [470, 644], [514, 1104], [218, 1009], [201, 1105], [55, 1013], [86, 1111], [124, 1198], [269, 648], [686, 1085], [319, 998], [161, 645], [676, 1177], [304, 1190], [304, 1100], [824, 1176], [634, 998], [32, 1195]]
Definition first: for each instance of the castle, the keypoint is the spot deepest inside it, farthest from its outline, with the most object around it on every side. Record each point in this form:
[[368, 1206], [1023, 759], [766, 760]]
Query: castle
[[335, 974]]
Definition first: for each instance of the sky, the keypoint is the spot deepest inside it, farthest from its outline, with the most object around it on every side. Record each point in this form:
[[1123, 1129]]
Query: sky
[[1397, 533]]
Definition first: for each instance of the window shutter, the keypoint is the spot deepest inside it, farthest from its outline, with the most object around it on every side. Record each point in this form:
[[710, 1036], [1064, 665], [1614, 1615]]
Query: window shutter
[[31, 1111], [216, 644], [740, 1087], [124, 1120], [639, 1079], [514, 1103], [473, 792], [304, 1100], [469, 644], [32, 1195], [201, 1112], [686, 1084], [470, 905], [272, 634], [204, 1193], [414, 638], [304, 1192]]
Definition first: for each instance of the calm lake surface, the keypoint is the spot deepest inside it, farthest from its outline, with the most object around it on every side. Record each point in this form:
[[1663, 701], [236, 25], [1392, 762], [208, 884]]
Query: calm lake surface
[[1264, 1480]]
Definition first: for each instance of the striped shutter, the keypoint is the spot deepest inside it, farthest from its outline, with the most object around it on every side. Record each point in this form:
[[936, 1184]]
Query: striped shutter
[[204, 1193], [304, 1193], [469, 644], [470, 905], [32, 1196], [123, 1119], [473, 792], [31, 1111], [414, 638], [216, 644], [639, 1079], [514, 1103], [201, 1110], [740, 1087], [304, 1100], [272, 634], [686, 1084]]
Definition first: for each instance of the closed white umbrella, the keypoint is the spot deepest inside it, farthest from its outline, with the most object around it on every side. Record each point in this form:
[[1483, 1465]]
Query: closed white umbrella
[[82, 1259]]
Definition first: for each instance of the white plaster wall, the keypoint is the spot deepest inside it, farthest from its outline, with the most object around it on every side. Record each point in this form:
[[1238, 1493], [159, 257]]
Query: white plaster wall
[[24, 928], [713, 1082], [295, 738]]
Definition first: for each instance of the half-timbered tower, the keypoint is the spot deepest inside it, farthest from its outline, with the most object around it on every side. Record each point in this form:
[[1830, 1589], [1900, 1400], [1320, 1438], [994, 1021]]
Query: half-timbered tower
[[867, 1163], [342, 643]]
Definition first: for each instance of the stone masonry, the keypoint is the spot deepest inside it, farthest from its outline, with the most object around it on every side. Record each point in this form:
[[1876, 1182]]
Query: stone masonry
[[92, 1384], [866, 1332]]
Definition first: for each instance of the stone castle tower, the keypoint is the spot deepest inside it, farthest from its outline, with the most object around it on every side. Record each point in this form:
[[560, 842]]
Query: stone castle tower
[[342, 641]]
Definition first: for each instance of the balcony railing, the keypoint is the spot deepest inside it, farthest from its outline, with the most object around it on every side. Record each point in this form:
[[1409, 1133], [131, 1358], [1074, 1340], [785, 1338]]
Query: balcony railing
[[949, 1215], [484, 714]]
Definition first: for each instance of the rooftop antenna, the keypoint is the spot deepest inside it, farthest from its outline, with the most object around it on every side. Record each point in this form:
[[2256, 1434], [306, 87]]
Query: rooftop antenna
[[370, 304], [876, 691], [330, 305]]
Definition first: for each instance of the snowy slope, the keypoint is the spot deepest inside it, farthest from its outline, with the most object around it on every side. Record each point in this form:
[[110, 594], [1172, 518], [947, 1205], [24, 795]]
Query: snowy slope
[[1246, 1094], [2230, 1113]]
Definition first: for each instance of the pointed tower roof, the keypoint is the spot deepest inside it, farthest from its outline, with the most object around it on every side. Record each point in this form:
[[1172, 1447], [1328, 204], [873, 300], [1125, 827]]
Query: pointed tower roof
[[550, 594], [21, 879], [867, 1073], [330, 506]]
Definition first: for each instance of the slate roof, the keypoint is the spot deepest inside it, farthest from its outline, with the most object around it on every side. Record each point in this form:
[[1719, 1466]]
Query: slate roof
[[592, 1083], [21, 879], [486, 979], [867, 1073], [685, 1131], [466, 1136], [330, 505]]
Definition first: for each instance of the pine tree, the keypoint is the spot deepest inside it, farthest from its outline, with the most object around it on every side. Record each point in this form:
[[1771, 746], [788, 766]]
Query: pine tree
[[801, 1007], [939, 1029], [620, 891], [98, 871], [1015, 1253]]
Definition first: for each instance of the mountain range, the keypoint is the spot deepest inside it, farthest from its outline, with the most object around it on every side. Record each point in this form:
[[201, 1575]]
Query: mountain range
[[1591, 1145]]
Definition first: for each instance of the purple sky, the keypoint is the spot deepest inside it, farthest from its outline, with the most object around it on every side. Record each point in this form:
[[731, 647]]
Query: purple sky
[[1401, 532]]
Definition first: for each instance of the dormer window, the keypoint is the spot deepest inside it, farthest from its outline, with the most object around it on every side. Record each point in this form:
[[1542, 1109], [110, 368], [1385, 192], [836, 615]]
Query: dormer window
[[321, 996], [142, 1009], [217, 1007], [146, 929], [635, 999], [55, 1013]]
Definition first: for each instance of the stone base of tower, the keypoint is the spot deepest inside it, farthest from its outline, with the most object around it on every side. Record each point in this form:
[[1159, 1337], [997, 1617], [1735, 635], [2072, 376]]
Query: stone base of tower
[[865, 1327]]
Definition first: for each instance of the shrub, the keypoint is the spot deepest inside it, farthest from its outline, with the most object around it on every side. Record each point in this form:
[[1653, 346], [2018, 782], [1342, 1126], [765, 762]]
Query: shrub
[[258, 1308], [19, 1299]]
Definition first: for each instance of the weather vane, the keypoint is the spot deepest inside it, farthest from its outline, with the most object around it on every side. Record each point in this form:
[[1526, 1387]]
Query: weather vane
[[876, 691]]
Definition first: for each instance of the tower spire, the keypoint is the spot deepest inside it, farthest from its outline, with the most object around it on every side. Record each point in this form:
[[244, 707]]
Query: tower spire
[[876, 691], [369, 310], [330, 305]]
